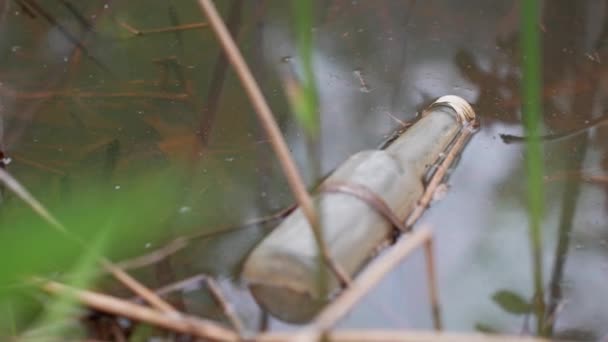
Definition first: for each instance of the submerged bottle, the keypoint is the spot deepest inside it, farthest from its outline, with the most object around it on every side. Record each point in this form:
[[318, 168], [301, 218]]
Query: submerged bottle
[[282, 271]]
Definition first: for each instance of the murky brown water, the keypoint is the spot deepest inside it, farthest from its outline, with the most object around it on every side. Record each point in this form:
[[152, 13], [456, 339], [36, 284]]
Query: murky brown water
[[373, 61]]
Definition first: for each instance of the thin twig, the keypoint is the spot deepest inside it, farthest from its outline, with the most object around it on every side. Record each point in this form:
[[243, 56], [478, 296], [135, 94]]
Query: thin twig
[[181, 242], [369, 197], [368, 279], [135, 286], [21, 192], [402, 124], [177, 28], [271, 128], [593, 123], [226, 307], [176, 286], [180, 323], [155, 255], [431, 274]]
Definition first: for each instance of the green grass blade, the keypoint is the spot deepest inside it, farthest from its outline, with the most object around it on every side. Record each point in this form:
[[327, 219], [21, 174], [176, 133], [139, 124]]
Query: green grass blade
[[304, 98], [59, 315], [532, 115]]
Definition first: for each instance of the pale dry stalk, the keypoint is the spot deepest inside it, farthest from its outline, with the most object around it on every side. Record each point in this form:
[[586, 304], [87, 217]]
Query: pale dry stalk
[[272, 130], [179, 323], [369, 278]]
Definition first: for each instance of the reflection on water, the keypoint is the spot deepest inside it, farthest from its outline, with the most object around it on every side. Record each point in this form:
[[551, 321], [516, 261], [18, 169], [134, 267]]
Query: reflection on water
[[471, 50], [374, 61]]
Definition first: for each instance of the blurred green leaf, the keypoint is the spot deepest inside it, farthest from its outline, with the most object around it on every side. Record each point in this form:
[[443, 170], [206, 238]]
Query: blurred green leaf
[[138, 208], [532, 114], [303, 94], [57, 320], [114, 220], [511, 302]]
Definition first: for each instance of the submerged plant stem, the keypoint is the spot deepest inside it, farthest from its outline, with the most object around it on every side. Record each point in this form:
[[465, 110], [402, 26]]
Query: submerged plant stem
[[175, 28], [592, 123], [218, 76], [534, 156]]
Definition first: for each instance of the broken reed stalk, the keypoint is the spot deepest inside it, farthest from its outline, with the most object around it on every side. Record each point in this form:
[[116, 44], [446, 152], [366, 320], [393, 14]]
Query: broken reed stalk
[[179, 323], [369, 278], [271, 128], [130, 282]]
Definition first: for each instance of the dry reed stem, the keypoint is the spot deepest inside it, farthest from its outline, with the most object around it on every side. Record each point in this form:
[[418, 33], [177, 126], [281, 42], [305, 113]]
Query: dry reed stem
[[271, 128], [398, 336], [439, 175], [154, 256], [183, 27], [130, 282], [179, 323], [176, 286], [432, 283], [148, 295], [369, 278], [12, 184], [226, 307]]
